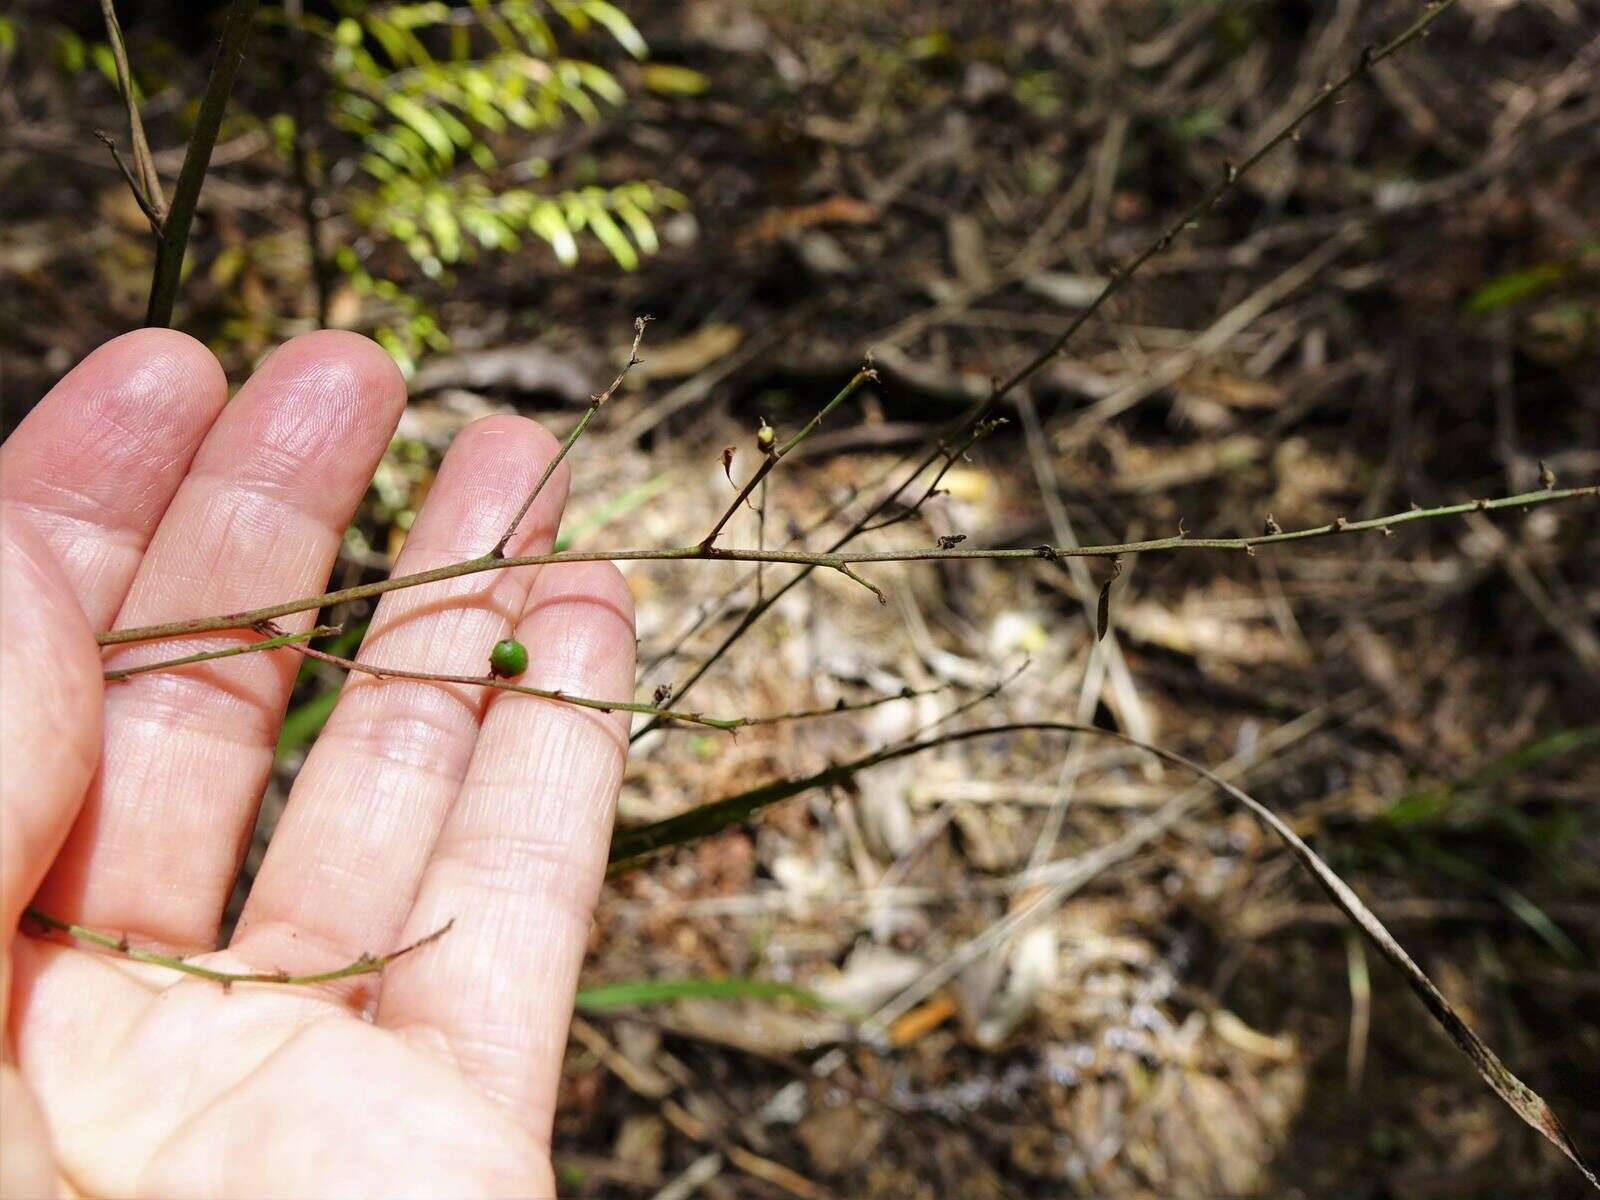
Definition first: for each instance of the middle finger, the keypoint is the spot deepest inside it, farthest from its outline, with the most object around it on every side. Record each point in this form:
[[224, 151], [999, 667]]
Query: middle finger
[[343, 864]]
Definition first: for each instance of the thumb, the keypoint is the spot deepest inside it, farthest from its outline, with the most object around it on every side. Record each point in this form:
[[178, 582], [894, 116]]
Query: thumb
[[50, 712], [50, 707]]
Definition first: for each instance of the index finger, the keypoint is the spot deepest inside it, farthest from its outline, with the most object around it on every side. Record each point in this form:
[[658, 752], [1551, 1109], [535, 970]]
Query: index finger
[[96, 463]]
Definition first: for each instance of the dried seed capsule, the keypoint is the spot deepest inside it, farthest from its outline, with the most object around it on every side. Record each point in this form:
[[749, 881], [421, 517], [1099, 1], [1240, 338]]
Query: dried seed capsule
[[509, 657]]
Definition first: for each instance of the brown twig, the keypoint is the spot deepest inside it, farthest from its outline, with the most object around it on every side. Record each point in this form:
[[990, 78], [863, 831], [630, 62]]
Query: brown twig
[[775, 454], [367, 964], [142, 178], [596, 402], [275, 642], [292, 641], [151, 213], [982, 410], [843, 562]]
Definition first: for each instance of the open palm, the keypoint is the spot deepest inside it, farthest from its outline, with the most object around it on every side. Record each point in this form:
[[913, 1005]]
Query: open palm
[[136, 493]]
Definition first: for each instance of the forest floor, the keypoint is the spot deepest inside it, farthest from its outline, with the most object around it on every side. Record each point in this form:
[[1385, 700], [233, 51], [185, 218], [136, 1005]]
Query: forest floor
[[1402, 306]]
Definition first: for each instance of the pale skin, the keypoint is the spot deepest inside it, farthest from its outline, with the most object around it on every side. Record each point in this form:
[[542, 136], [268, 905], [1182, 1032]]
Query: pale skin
[[136, 492]]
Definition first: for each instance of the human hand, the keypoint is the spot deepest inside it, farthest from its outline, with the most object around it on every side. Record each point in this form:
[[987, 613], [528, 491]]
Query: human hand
[[135, 493]]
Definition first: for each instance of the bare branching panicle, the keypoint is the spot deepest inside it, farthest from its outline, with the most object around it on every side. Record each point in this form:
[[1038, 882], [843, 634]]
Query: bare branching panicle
[[919, 495]]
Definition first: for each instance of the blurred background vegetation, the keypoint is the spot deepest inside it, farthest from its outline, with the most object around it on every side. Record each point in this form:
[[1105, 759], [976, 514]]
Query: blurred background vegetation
[[1402, 305], [411, 133]]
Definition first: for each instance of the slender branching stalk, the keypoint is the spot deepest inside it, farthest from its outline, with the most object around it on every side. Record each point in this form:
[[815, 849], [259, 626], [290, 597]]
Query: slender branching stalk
[[169, 262], [142, 178], [596, 403], [186, 193], [367, 964], [276, 642], [983, 410], [843, 562], [774, 453], [293, 641], [150, 211]]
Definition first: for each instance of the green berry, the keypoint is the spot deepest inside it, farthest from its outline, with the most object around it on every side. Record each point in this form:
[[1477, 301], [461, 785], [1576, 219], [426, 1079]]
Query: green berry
[[509, 657]]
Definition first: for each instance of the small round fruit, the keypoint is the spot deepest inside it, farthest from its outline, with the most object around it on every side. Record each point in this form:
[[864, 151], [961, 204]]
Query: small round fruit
[[509, 657]]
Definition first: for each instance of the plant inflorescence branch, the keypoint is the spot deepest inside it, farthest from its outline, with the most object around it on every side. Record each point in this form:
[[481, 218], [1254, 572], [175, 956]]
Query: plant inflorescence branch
[[367, 964], [982, 410], [1231, 174], [293, 641], [774, 453], [504, 685], [275, 642], [596, 403], [146, 206], [142, 178], [836, 560]]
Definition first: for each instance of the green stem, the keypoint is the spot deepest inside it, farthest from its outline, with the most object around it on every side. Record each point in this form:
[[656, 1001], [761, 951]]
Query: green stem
[[292, 640], [186, 193], [272, 643]]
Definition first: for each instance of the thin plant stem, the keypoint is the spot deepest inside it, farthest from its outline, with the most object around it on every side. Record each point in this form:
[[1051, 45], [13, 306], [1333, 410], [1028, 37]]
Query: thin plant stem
[[775, 456], [142, 179], [981, 410], [272, 643], [521, 689], [367, 964], [596, 402], [150, 211], [292, 641], [192, 176], [842, 562]]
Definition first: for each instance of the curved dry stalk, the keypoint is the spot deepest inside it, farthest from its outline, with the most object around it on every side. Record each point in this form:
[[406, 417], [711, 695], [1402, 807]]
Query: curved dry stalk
[[843, 562], [142, 178], [367, 964], [635, 844]]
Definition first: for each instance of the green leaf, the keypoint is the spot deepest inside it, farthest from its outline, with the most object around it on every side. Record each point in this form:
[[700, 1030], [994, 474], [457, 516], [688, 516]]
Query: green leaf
[[426, 125], [644, 993], [639, 224], [549, 223], [612, 18], [1519, 285], [1427, 805], [304, 722], [604, 226], [666, 79]]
